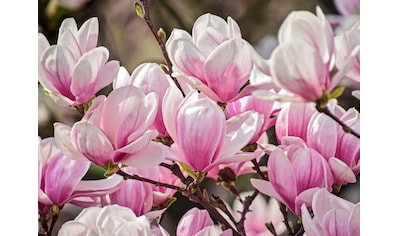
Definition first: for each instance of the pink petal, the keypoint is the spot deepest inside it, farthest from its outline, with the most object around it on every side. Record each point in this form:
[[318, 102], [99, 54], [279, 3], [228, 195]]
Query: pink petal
[[209, 30], [193, 221], [267, 188], [354, 221], [133, 194], [88, 35], [193, 121], [92, 143], [305, 78], [228, 68], [57, 63], [322, 135], [119, 103], [186, 57], [170, 105], [343, 174], [136, 122], [335, 222], [293, 120], [138, 144], [148, 157], [311, 170], [282, 177], [86, 72], [68, 40], [61, 177], [96, 188], [106, 75], [68, 24], [123, 78], [62, 134], [239, 131]]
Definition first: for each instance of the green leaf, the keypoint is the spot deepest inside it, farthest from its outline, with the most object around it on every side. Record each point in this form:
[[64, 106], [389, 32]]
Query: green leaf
[[337, 92]]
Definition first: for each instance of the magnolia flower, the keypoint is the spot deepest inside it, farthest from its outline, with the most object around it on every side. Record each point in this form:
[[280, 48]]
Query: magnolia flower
[[74, 70], [198, 222], [341, 149], [110, 220], [333, 216], [115, 130], [150, 78], [304, 35], [215, 59], [60, 179], [189, 119], [292, 170]]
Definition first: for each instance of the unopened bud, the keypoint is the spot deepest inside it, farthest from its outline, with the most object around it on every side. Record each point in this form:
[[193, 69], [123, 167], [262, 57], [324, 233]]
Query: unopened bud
[[164, 68], [54, 210], [139, 10], [161, 34], [226, 175], [271, 228]]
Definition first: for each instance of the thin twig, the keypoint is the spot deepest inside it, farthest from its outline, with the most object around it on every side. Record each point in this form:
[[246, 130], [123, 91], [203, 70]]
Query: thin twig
[[247, 203], [258, 170], [199, 198], [284, 211], [161, 43]]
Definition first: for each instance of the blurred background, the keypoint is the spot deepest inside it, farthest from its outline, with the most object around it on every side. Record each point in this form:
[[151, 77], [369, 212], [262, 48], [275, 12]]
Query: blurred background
[[130, 41]]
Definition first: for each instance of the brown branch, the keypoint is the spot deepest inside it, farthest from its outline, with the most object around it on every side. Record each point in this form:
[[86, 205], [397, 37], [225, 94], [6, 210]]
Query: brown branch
[[199, 198], [258, 170], [139, 178], [284, 211], [247, 203]]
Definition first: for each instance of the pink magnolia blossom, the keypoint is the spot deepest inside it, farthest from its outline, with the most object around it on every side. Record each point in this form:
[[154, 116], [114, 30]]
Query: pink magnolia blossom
[[189, 119], [75, 69], [115, 130], [150, 78], [333, 216], [293, 170], [304, 34], [109, 220], [60, 179], [215, 59], [261, 212], [341, 149], [198, 222]]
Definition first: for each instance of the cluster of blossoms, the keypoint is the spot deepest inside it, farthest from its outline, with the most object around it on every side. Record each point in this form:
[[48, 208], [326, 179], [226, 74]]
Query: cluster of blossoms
[[163, 130]]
